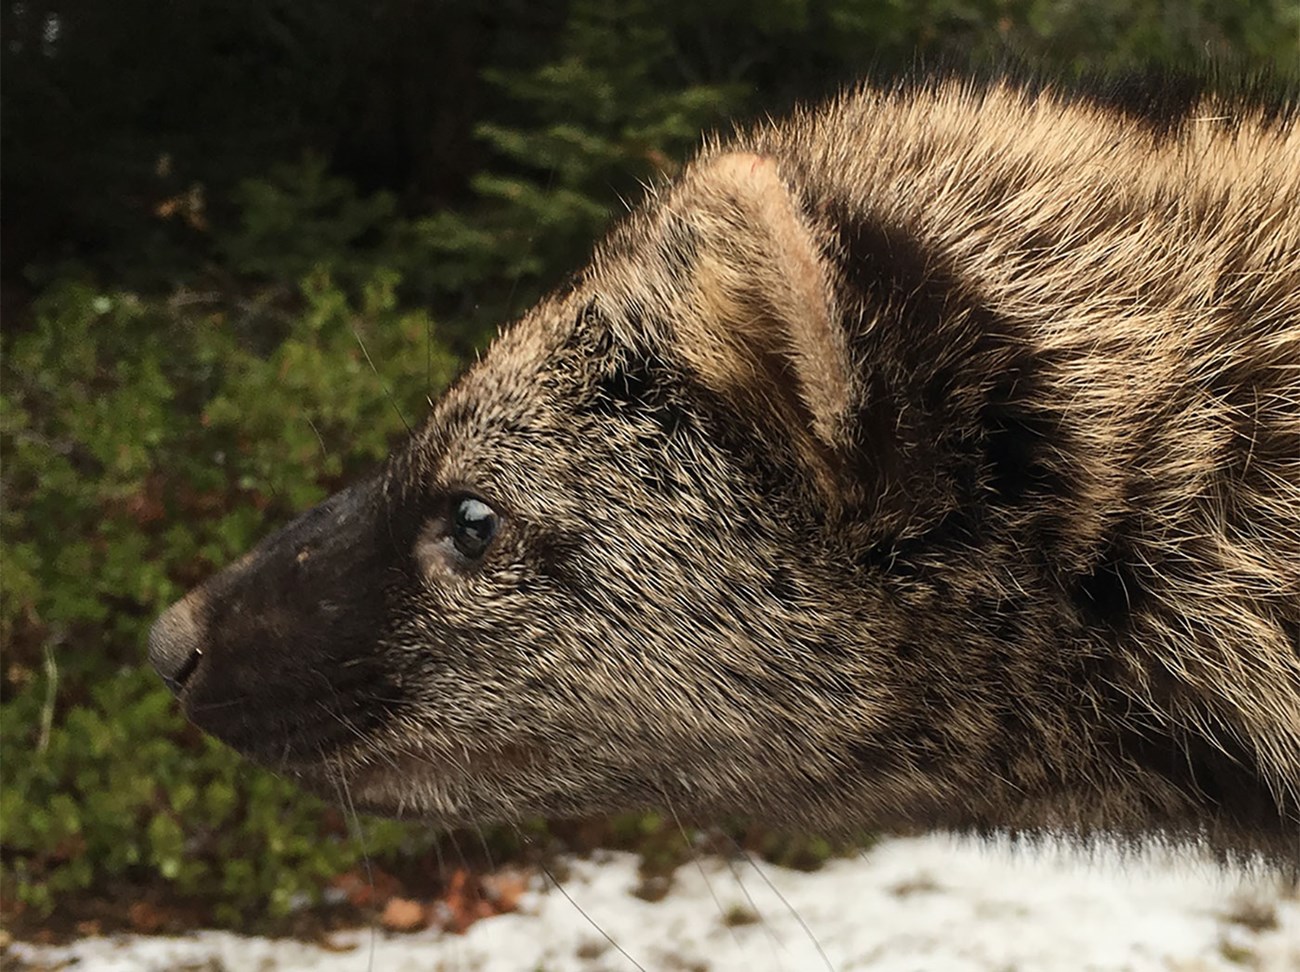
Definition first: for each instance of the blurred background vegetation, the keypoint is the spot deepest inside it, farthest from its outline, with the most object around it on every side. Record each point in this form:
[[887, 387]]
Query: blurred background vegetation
[[243, 241]]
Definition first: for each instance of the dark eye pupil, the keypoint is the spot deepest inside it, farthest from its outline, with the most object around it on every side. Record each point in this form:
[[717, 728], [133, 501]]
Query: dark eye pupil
[[474, 524]]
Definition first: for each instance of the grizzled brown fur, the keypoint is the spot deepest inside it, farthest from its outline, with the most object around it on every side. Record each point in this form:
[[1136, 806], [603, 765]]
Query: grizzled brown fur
[[930, 459]]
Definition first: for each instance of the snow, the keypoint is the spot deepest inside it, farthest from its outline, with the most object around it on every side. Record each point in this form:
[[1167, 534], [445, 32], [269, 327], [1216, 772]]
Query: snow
[[907, 905]]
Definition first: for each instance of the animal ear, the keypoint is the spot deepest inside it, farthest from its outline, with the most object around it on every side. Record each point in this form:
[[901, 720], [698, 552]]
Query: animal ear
[[765, 328]]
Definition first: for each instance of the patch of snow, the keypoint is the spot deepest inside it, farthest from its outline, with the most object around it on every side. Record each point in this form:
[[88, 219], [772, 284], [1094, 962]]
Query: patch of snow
[[928, 904]]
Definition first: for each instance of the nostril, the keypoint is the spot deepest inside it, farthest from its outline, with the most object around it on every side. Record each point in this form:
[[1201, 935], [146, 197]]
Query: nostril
[[186, 670], [175, 644]]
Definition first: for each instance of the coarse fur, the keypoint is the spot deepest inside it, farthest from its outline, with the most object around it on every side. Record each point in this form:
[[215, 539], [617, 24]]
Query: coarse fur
[[930, 459]]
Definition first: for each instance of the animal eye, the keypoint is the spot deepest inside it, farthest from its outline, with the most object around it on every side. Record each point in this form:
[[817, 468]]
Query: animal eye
[[473, 525]]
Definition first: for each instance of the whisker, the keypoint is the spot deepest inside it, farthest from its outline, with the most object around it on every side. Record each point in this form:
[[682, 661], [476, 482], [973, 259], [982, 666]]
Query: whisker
[[334, 770], [460, 853], [240, 702], [487, 851], [794, 913], [444, 884], [338, 716], [779, 947], [392, 400], [699, 866], [541, 863]]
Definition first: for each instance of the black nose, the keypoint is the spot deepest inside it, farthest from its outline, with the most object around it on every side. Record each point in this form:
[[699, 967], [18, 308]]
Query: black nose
[[175, 648]]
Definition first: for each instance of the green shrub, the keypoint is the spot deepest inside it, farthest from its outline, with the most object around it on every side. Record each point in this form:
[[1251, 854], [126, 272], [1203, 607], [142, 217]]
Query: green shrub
[[145, 446]]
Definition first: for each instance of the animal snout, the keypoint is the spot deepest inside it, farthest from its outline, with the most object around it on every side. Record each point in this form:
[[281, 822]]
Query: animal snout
[[176, 644]]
